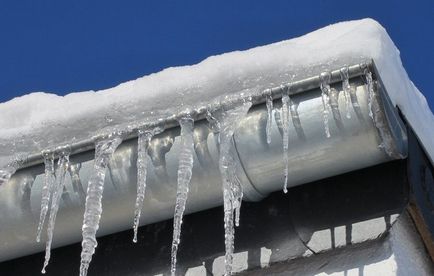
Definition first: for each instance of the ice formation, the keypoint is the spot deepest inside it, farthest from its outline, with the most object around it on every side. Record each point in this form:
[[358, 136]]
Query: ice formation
[[46, 190], [370, 87], [346, 89], [227, 122], [325, 91], [374, 112], [185, 168], [62, 167], [104, 149], [144, 138], [285, 136], [269, 103]]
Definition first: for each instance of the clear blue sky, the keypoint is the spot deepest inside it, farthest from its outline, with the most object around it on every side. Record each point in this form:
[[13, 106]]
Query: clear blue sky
[[65, 46]]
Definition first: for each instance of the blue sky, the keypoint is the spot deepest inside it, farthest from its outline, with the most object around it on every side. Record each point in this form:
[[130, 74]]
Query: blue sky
[[66, 46]]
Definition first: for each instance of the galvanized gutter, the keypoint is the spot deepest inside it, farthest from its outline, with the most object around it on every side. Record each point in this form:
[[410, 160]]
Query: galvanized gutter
[[354, 144]]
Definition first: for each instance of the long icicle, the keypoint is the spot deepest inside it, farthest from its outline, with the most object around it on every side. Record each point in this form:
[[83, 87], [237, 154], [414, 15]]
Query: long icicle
[[227, 122], [325, 90], [144, 139], [47, 189], [285, 139], [232, 191], [184, 176], [104, 150], [62, 167], [269, 103]]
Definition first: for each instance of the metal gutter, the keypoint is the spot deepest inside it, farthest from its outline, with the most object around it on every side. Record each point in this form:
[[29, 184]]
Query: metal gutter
[[320, 218], [354, 144]]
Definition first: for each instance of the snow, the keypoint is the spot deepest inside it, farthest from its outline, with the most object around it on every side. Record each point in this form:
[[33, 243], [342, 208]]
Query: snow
[[36, 121]]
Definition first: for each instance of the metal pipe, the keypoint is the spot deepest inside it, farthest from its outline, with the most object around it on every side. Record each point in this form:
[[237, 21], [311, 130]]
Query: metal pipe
[[353, 145]]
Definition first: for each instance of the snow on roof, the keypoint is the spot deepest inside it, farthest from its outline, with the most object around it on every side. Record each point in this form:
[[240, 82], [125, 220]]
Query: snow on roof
[[36, 121]]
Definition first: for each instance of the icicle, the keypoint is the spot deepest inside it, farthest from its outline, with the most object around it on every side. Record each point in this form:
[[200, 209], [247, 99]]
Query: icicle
[[346, 88], [370, 85], [93, 209], [269, 103], [236, 189], [144, 139], [47, 189], [285, 130], [184, 176], [62, 167], [227, 122], [325, 90], [380, 122], [237, 214]]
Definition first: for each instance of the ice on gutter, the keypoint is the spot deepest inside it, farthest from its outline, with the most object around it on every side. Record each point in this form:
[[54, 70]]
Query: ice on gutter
[[33, 122]]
